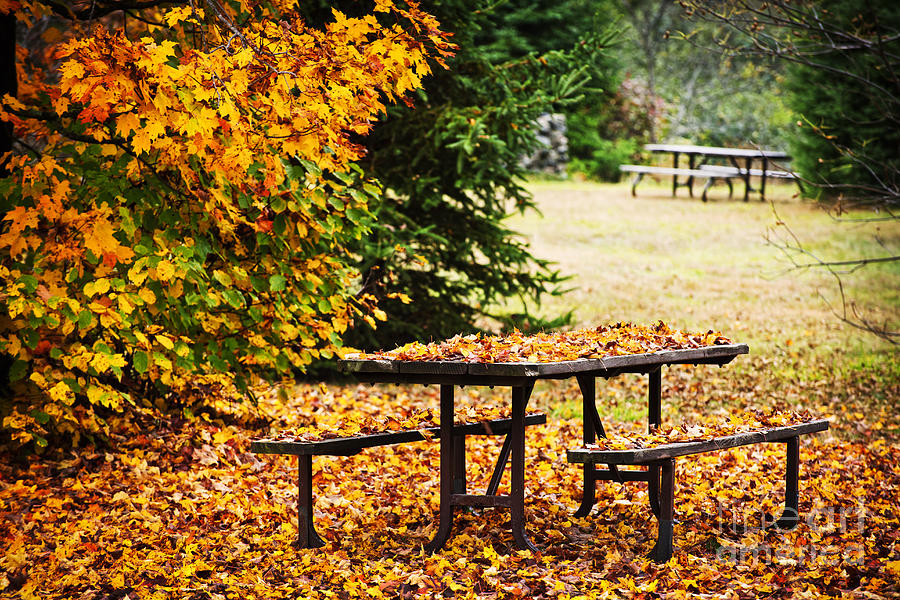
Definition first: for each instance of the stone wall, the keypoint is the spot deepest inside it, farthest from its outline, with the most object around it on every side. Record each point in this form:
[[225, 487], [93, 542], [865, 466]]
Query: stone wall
[[553, 155]]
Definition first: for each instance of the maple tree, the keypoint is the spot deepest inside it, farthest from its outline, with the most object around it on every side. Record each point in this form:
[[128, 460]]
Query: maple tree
[[181, 196]]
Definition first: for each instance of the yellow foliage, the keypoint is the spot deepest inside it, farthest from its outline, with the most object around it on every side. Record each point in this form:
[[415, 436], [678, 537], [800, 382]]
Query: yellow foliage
[[194, 181]]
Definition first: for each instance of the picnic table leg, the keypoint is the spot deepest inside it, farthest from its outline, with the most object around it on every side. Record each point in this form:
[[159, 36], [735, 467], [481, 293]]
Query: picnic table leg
[[746, 176], [653, 488], [674, 177], [588, 497], [308, 537], [520, 395], [662, 551], [762, 178], [593, 427], [654, 400], [654, 419], [690, 179], [791, 515], [448, 470]]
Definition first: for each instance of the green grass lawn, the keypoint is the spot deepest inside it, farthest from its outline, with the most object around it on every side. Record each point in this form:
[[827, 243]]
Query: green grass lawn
[[713, 265]]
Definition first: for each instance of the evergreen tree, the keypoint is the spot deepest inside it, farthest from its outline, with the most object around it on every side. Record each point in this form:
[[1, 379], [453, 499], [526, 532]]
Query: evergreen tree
[[451, 173], [848, 95]]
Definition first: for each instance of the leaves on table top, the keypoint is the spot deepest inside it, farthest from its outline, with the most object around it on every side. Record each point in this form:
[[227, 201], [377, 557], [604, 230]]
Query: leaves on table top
[[597, 342], [744, 422]]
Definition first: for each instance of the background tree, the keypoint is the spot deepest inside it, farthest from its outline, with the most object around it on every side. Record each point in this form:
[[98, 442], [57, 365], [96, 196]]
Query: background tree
[[182, 196], [451, 170], [661, 88], [705, 97], [844, 83], [650, 20]]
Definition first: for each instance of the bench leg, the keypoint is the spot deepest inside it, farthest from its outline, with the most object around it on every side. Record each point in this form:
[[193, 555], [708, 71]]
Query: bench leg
[[791, 515], [308, 537], [709, 182], [662, 551], [636, 180]]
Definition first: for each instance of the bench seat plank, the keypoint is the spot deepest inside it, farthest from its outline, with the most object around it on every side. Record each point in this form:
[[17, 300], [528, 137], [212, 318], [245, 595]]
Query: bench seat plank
[[653, 170], [675, 172], [345, 446], [639, 456], [778, 174]]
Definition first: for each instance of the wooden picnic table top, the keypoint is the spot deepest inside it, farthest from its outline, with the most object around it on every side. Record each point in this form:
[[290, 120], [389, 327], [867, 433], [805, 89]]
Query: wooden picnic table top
[[472, 372], [716, 151]]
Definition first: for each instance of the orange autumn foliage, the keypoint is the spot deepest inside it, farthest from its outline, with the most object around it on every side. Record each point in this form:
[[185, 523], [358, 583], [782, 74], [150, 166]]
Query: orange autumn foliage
[[596, 342], [181, 196]]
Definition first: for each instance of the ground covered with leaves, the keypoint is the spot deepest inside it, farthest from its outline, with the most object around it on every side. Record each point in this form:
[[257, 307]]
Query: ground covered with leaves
[[181, 509]]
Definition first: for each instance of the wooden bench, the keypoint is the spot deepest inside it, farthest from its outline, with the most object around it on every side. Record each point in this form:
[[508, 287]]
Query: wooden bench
[[737, 172], [660, 461], [765, 173], [710, 176], [350, 445]]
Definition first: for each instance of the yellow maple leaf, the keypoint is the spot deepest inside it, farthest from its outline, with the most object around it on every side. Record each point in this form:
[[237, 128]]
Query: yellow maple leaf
[[141, 142], [175, 15], [155, 126], [99, 237]]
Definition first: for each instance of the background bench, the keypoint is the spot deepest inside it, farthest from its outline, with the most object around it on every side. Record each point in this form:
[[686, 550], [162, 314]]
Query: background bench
[[350, 445], [710, 176], [736, 172], [661, 462], [741, 172]]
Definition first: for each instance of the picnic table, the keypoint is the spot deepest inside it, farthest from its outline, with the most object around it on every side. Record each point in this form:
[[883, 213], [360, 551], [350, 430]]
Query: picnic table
[[740, 164], [521, 378]]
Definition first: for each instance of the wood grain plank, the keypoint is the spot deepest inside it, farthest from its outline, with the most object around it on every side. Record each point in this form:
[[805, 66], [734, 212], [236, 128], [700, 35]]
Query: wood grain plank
[[639, 456], [345, 446], [625, 362]]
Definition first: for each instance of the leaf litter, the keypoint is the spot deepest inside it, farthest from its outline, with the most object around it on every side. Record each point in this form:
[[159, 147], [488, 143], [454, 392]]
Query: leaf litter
[[181, 509]]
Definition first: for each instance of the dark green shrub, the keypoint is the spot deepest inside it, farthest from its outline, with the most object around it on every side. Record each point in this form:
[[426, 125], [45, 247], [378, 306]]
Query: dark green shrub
[[450, 168]]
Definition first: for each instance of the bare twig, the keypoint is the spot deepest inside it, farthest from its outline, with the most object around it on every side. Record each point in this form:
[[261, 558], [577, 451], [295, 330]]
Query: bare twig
[[849, 311]]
